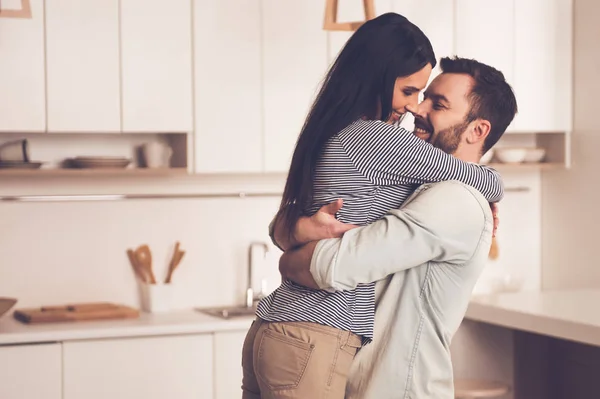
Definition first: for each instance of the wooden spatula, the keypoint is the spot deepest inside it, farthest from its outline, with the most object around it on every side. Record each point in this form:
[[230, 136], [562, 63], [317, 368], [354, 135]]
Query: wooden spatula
[[177, 256], [494, 249]]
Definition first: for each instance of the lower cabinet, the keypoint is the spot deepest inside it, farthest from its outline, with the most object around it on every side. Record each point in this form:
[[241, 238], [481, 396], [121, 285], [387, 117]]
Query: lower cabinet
[[30, 371], [201, 366], [147, 368], [228, 364]]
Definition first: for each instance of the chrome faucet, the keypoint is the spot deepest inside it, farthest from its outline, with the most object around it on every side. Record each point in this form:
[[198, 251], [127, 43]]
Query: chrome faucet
[[251, 298]]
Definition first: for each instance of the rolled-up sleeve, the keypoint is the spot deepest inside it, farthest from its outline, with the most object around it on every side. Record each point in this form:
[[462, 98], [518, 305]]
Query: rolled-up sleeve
[[443, 222]]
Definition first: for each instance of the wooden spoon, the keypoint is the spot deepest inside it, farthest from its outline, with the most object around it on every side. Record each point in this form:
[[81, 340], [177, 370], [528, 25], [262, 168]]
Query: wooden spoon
[[144, 259], [137, 269]]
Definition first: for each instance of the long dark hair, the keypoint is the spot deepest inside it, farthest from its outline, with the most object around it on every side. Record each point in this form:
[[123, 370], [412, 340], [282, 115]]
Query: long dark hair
[[359, 84]]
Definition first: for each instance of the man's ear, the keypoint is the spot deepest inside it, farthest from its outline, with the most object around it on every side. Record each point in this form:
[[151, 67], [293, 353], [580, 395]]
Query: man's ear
[[480, 128]]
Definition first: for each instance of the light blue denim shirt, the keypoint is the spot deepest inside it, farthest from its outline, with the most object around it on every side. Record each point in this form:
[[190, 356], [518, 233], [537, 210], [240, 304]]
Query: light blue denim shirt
[[426, 258]]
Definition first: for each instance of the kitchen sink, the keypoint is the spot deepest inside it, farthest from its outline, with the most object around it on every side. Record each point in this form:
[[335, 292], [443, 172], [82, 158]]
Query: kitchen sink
[[228, 312]]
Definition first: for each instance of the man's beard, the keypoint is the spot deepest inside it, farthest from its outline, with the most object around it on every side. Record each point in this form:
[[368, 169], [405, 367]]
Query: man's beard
[[448, 139]]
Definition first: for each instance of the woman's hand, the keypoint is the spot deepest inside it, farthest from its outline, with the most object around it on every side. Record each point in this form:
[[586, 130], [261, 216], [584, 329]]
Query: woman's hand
[[322, 224], [319, 226]]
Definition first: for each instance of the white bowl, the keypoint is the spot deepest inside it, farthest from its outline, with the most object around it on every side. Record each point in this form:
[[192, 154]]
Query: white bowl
[[487, 157], [511, 155], [535, 155]]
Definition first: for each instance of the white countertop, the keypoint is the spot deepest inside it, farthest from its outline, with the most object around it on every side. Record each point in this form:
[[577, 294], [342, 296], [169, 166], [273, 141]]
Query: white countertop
[[179, 322], [570, 315]]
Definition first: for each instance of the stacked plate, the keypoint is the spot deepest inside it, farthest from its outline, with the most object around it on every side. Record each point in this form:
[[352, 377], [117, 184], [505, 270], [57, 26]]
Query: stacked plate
[[99, 162]]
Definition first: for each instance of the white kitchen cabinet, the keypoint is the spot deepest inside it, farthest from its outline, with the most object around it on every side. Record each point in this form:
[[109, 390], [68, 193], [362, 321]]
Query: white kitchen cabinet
[[543, 65], [228, 364], [485, 31], [294, 63], [156, 58], [436, 19], [82, 61], [23, 93], [31, 371], [348, 11], [150, 368], [227, 78]]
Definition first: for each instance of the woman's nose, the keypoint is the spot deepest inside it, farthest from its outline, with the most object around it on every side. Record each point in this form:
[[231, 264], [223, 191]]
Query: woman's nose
[[413, 108]]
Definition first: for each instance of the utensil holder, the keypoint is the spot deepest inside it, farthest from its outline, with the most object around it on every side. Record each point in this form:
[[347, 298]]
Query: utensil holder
[[156, 298]]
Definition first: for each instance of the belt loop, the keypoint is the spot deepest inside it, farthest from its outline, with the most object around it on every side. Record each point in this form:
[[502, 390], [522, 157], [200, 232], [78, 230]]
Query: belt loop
[[345, 336]]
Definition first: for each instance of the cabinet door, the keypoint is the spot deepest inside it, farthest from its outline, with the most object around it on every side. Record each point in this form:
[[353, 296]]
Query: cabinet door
[[350, 10], [150, 368], [82, 50], [156, 56], [294, 63], [543, 65], [227, 77], [23, 96], [228, 364], [436, 19], [485, 31], [31, 371]]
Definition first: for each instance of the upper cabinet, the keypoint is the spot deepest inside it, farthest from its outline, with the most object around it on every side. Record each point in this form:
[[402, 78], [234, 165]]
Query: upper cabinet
[[294, 63], [348, 11], [227, 82], [156, 58], [485, 31], [435, 19], [543, 65], [82, 61], [23, 94]]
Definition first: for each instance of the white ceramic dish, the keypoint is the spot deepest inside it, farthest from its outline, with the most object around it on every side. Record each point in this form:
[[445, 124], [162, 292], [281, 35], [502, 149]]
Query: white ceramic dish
[[535, 155], [511, 155]]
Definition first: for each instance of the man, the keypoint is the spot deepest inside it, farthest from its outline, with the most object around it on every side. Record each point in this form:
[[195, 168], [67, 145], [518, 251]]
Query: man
[[426, 256]]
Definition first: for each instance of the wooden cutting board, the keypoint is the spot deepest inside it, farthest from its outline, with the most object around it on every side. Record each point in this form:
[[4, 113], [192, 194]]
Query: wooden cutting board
[[76, 312]]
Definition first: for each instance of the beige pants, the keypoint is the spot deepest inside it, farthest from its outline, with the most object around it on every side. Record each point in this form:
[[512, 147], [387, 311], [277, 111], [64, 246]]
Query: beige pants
[[296, 360]]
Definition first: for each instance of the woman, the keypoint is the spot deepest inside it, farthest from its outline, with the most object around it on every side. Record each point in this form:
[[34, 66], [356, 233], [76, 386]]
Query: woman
[[303, 341]]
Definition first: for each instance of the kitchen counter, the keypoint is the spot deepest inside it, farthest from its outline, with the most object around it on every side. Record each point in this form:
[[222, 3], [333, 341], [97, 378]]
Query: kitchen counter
[[178, 322], [569, 315]]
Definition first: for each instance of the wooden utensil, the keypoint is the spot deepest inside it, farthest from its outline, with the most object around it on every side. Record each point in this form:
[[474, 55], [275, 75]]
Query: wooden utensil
[[137, 269], [75, 312], [143, 257], [175, 259], [6, 304], [493, 249], [331, 23]]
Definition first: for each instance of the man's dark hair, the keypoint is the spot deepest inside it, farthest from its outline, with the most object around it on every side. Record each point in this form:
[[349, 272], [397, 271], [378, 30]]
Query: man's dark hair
[[491, 96]]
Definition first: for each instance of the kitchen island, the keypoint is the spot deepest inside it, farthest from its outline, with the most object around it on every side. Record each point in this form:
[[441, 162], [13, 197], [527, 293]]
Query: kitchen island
[[556, 340]]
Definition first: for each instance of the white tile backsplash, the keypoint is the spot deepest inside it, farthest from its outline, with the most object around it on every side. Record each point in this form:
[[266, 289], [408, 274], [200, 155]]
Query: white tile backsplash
[[57, 252]]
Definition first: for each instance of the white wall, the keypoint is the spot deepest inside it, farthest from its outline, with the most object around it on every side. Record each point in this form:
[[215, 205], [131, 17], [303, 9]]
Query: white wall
[[570, 216], [56, 252]]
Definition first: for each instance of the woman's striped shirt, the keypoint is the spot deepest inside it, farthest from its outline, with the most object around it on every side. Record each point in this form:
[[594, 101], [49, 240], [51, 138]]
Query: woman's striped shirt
[[373, 167]]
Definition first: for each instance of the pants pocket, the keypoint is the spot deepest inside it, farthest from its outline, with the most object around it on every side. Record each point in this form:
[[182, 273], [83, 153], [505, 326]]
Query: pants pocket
[[282, 360]]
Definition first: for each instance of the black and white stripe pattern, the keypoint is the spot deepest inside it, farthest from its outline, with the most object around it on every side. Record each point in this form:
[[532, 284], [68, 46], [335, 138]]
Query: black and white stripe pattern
[[373, 167]]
